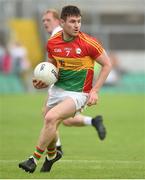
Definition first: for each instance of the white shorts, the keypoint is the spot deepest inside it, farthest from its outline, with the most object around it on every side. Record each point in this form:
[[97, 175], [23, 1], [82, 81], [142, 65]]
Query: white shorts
[[56, 95]]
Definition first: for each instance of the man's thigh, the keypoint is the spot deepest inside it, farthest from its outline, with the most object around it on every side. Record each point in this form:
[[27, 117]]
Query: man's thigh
[[63, 110]]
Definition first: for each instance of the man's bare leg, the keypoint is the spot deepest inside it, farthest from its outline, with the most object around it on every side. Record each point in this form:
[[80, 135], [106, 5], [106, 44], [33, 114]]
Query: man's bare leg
[[80, 120], [48, 133], [44, 112]]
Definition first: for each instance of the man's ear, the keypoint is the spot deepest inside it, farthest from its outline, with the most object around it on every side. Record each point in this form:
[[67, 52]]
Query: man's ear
[[62, 22]]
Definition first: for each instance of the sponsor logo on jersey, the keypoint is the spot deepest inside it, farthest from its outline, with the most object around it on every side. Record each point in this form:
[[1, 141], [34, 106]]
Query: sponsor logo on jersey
[[67, 49], [57, 50], [78, 51]]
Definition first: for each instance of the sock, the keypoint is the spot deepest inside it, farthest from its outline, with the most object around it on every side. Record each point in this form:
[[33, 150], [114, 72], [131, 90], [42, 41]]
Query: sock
[[37, 153], [58, 143], [51, 153], [87, 120]]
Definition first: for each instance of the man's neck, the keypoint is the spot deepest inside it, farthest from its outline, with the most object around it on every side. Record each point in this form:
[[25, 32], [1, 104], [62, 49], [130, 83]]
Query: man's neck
[[67, 37]]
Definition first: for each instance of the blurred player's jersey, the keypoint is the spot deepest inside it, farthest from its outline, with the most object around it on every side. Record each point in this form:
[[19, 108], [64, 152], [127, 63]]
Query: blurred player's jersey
[[75, 60], [56, 30]]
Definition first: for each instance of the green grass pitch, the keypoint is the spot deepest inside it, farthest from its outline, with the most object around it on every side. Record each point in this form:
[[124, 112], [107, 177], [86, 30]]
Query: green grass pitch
[[121, 155]]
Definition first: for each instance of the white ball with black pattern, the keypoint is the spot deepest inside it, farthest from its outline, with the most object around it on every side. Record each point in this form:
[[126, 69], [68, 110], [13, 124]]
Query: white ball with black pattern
[[46, 72]]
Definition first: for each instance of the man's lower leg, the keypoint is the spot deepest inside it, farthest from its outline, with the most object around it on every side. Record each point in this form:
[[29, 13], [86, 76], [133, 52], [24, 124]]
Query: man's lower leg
[[46, 137]]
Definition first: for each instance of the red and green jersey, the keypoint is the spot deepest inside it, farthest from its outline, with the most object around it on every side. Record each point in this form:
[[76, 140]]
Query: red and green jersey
[[75, 60]]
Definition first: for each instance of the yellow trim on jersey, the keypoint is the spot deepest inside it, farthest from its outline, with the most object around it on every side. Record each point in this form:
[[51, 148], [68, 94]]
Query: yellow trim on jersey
[[99, 48], [56, 35], [93, 43], [90, 39], [75, 64]]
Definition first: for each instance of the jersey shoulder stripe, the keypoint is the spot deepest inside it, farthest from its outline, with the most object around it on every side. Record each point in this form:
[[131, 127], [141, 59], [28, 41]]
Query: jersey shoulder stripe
[[92, 42], [86, 36], [56, 35], [97, 47]]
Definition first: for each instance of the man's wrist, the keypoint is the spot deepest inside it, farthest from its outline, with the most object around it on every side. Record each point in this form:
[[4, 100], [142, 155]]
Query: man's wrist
[[95, 90]]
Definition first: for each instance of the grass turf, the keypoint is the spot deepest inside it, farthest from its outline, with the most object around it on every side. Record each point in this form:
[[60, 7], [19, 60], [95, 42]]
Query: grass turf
[[121, 155]]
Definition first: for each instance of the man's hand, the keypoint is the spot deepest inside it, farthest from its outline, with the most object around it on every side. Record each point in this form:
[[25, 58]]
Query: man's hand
[[92, 98], [38, 84]]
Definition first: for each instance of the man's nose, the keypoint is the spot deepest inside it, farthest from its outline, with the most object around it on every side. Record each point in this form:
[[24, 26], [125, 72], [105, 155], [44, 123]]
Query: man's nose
[[76, 24], [45, 22]]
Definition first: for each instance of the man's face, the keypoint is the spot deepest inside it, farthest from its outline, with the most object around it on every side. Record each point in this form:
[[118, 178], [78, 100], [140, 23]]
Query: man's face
[[49, 22], [72, 25]]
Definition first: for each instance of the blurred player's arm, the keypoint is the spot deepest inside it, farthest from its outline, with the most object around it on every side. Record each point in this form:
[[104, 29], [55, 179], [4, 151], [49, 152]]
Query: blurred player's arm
[[106, 66]]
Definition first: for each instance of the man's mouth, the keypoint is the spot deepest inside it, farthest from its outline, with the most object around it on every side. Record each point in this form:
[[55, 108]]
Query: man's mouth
[[76, 30]]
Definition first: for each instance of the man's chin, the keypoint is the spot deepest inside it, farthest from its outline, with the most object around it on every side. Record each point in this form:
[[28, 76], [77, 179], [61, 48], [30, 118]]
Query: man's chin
[[48, 30], [75, 34]]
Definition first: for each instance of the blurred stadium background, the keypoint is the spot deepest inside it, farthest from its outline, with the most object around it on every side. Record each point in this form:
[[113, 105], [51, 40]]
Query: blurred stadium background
[[120, 26]]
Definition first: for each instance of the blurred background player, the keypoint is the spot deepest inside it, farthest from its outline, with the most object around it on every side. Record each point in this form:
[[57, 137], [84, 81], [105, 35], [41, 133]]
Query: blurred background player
[[51, 22], [21, 65]]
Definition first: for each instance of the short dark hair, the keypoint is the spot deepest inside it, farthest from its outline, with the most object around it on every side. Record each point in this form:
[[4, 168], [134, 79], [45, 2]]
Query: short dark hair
[[70, 11]]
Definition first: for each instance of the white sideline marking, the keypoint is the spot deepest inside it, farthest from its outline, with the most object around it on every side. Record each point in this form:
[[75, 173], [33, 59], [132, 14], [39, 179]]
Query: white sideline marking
[[83, 161]]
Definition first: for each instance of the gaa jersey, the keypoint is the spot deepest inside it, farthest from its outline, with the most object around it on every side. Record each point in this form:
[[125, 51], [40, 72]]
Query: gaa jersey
[[75, 60]]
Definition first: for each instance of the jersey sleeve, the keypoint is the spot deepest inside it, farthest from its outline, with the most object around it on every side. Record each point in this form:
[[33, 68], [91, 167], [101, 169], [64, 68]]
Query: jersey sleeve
[[95, 48], [49, 55], [49, 51]]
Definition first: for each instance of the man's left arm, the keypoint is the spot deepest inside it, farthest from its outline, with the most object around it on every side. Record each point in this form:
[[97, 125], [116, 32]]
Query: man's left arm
[[106, 66]]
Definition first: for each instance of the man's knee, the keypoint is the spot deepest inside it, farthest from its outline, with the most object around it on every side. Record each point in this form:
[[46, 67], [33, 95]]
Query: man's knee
[[50, 119]]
